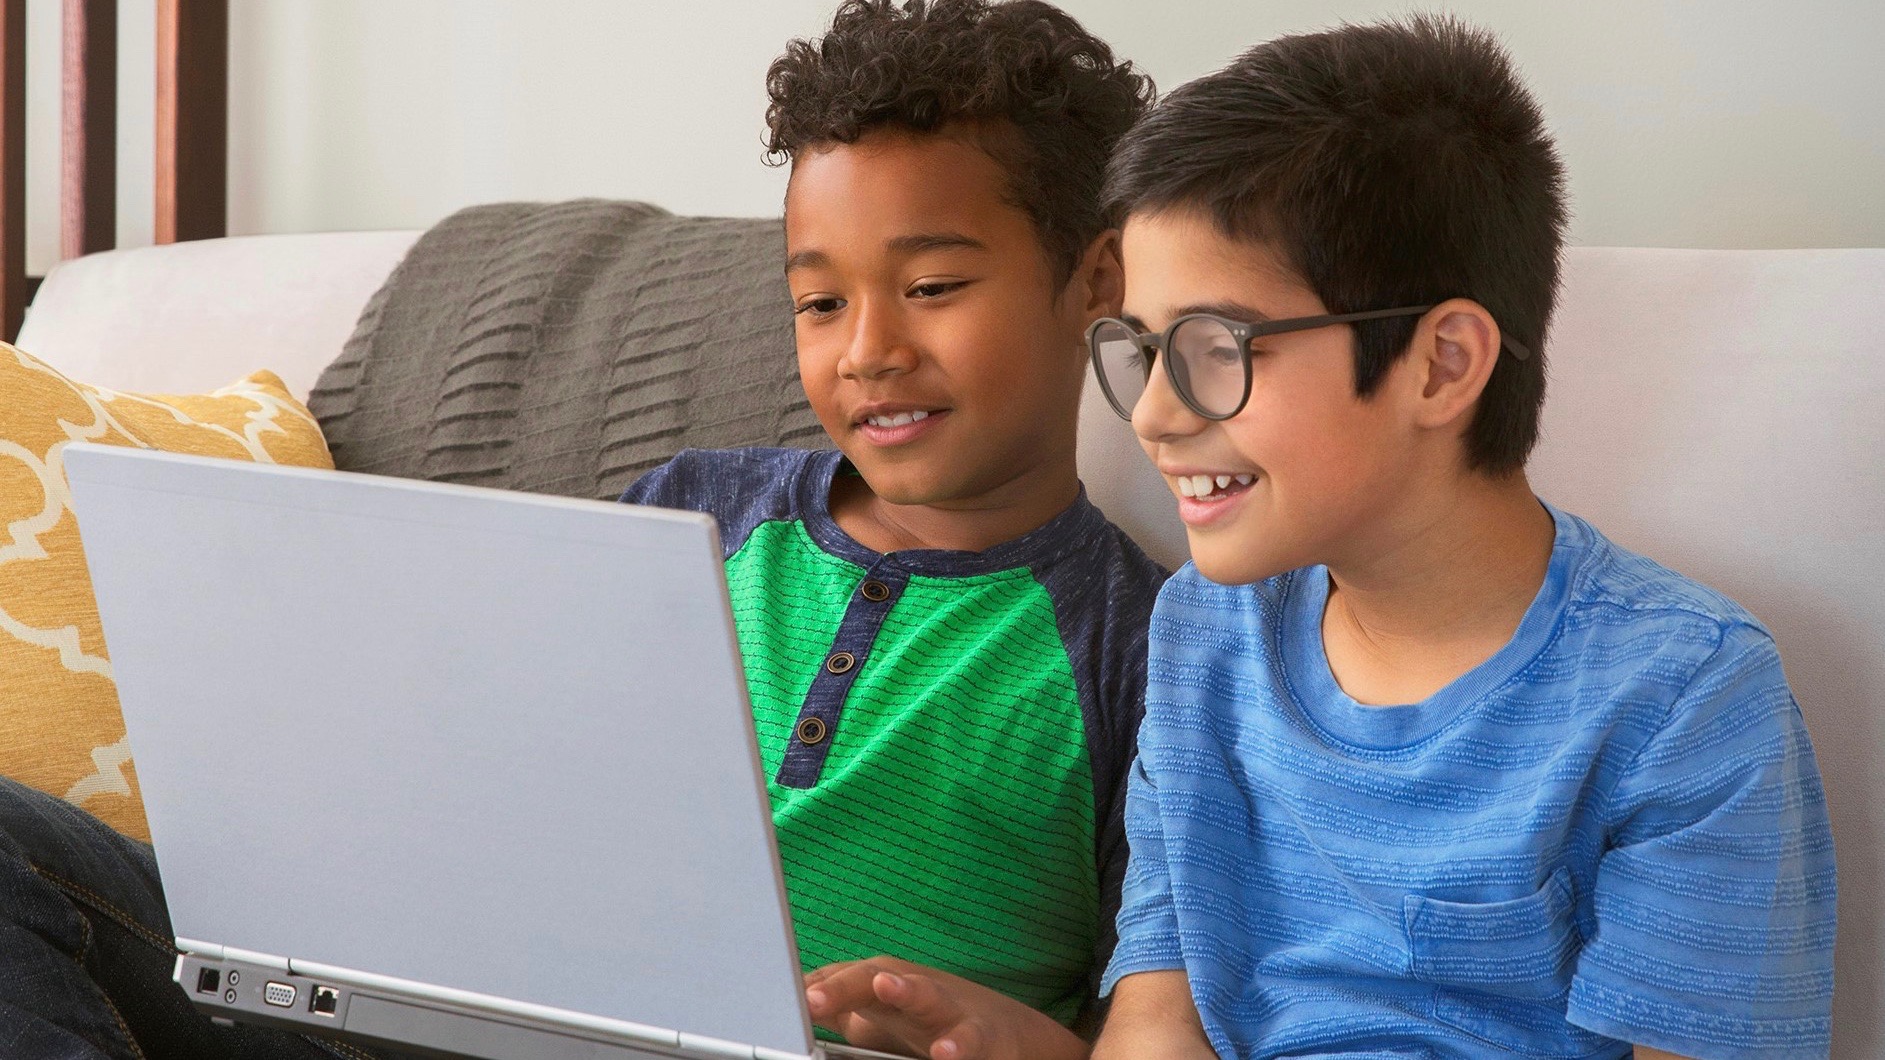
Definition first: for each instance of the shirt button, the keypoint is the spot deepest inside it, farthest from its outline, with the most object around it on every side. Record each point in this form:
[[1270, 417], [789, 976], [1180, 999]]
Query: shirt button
[[875, 591], [812, 731], [841, 662]]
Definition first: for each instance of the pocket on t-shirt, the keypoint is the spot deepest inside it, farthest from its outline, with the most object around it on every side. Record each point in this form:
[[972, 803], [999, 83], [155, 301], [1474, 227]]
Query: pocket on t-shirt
[[1522, 948]]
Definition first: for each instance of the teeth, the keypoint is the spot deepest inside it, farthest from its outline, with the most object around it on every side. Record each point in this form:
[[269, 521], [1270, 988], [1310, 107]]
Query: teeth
[[1205, 485], [901, 419]]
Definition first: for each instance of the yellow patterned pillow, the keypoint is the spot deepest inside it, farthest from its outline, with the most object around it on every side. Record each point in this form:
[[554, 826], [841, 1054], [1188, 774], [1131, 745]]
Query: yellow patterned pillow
[[60, 730]]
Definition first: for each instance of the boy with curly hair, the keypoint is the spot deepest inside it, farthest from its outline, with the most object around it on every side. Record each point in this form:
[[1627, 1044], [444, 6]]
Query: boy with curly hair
[[1428, 768], [944, 639]]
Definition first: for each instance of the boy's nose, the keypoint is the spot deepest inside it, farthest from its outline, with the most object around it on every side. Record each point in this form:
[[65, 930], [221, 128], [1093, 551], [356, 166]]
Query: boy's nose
[[1160, 414], [878, 347]]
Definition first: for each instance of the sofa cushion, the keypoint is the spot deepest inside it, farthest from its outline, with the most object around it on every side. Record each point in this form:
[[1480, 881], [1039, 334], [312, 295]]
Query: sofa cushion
[[60, 730], [568, 347]]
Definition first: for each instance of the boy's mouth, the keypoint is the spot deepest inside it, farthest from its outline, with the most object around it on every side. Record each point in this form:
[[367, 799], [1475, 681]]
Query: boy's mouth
[[898, 426], [1212, 487], [899, 420]]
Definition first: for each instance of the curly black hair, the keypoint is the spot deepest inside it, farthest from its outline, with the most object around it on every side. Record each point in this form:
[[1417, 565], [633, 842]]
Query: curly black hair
[[1050, 97]]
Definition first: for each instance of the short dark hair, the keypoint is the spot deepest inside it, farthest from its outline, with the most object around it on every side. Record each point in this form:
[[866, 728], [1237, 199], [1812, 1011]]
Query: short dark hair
[[1389, 164], [1051, 99]]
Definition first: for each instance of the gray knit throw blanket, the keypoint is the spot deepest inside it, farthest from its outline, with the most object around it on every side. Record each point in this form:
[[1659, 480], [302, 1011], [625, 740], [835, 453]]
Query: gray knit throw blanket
[[568, 347]]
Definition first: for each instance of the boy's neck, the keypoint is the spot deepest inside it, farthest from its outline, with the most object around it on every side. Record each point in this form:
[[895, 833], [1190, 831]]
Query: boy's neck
[[1441, 596], [977, 524]]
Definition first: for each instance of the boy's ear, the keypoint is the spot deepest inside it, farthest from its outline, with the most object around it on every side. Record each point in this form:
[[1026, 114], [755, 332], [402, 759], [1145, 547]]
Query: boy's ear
[[1456, 348], [1098, 284]]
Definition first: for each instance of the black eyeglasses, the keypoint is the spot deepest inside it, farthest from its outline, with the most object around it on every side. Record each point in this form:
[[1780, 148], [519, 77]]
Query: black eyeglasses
[[1208, 357]]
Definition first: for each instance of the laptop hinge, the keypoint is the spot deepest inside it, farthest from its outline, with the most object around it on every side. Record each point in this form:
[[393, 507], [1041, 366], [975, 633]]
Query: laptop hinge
[[279, 964], [206, 950], [719, 1047]]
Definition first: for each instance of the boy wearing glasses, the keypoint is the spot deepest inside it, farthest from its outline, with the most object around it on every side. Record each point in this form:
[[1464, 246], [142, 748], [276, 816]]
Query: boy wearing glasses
[[943, 639], [1428, 767]]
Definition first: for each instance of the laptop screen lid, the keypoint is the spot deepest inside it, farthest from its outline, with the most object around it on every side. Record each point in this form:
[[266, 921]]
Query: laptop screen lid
[[490, 741]]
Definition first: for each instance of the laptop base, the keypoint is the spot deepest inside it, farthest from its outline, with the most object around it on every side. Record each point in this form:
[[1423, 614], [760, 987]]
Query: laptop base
[[231, 989], [257, 993]]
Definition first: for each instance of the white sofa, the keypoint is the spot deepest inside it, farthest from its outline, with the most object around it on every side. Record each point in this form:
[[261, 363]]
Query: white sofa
[[1723, 411]]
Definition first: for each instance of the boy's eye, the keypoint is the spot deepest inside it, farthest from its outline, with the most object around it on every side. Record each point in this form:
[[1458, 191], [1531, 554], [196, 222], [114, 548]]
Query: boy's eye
[[936, 288], [819, 307], [1225, 354]]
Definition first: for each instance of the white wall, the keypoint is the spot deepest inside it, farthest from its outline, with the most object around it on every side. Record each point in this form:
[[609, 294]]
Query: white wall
[[1732, 123]]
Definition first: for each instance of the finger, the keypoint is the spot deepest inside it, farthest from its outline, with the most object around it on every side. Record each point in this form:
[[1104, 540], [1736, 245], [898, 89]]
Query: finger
[[825, 971], [844, 988], [864, 1032], [964, 1041], [920, 1002]]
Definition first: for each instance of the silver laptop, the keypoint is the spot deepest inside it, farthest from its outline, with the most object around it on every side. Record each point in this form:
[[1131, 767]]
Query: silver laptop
[[442, 768]]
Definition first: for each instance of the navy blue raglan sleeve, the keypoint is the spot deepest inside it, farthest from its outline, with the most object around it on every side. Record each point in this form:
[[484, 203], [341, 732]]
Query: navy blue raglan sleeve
[[740, 488], [1103, 605]]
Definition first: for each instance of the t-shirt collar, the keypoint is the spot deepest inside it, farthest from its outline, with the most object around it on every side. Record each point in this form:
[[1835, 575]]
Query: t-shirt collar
[[1373, 728], [1068, 532]]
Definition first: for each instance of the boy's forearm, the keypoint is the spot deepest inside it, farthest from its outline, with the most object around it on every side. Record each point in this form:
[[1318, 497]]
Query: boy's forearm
[[1142, 1042], [1153, 1015]]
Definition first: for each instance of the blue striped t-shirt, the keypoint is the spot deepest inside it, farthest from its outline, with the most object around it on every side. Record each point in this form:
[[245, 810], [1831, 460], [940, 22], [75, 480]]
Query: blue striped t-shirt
[[1610, 832]]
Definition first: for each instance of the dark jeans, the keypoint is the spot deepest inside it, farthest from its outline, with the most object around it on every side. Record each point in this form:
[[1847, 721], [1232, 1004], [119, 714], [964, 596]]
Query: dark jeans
[[86, 952]]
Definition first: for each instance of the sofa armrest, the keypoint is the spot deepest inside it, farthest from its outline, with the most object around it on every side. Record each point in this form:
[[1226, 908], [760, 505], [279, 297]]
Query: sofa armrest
[[190, 317]]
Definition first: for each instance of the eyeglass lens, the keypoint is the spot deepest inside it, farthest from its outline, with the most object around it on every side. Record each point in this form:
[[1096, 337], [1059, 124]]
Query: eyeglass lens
[[1122, 364], [1208, 365]]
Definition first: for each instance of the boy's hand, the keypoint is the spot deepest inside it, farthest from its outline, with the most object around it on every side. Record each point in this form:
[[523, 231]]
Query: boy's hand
[[895, 1006]]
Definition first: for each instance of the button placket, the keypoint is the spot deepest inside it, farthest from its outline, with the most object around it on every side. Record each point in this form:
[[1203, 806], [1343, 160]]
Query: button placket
[[817, 721]]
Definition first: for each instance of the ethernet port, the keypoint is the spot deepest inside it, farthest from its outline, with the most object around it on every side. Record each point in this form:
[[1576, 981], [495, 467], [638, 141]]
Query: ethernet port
[[207, 980], [324, 1001]]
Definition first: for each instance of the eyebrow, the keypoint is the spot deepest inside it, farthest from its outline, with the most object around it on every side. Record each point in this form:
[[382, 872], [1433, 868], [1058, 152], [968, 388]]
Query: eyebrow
[[1231, 310], [906, 245], [807, 259], [921, 242]]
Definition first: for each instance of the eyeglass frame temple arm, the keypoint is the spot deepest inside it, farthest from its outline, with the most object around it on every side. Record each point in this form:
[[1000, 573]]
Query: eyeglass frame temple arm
[[1519, 351]]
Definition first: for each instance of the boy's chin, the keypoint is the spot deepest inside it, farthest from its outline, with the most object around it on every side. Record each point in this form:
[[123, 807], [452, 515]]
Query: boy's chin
[[1225, 563], [903, 485]]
